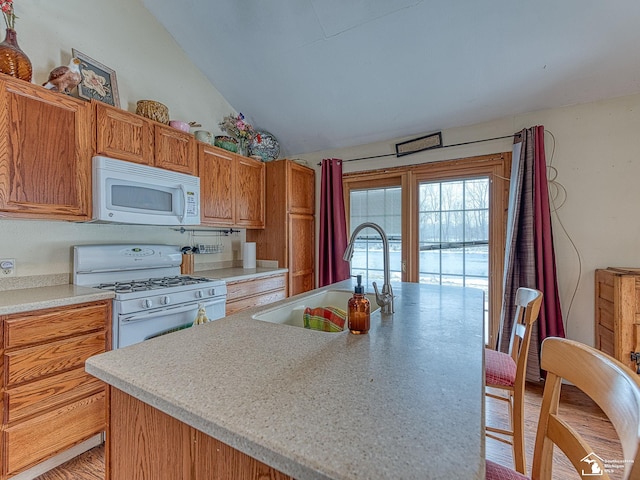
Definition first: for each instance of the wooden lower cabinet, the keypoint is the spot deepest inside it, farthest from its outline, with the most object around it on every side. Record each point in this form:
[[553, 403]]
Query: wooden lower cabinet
[[245, 294], [144, 443], [49, 403]]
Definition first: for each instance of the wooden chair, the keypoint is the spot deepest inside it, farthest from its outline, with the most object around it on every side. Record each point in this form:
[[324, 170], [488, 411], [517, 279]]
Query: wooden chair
[[506, 372], [610, 384]]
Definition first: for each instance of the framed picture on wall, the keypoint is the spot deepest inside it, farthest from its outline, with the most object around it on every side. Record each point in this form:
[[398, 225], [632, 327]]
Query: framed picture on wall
[[419, 144], [98, 80]]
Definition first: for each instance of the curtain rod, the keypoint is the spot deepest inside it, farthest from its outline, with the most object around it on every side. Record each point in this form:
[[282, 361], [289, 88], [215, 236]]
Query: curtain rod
[[444, 146]]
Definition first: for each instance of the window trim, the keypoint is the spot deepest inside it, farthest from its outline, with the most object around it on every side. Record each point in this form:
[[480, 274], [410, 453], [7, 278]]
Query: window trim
[[496, 166]]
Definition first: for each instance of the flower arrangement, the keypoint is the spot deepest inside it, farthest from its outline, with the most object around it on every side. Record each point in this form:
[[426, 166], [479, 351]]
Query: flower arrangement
[[238, 128], [7, 12]]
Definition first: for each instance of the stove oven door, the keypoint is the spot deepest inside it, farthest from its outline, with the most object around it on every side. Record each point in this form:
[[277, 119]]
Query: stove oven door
[[141, 326]]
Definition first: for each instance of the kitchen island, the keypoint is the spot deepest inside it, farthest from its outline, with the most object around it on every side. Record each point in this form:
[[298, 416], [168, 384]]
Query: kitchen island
[[404, 401]]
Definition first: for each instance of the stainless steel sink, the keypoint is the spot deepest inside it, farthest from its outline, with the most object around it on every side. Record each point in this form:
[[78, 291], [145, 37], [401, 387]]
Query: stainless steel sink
[[292, 313]]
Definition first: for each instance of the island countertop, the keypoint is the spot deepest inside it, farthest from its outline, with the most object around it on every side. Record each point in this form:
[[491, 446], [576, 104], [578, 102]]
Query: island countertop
[[404, 401]]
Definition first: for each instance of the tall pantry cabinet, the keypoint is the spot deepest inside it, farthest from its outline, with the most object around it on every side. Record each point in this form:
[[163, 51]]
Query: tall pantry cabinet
[[289, 233]]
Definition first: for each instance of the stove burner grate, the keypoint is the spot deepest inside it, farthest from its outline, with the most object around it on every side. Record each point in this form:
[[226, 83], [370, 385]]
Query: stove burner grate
[[152, 283]]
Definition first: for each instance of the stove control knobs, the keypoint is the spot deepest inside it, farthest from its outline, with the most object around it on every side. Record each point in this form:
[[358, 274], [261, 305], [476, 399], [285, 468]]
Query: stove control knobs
[[212, 292], [165, 300], [199, 294], [146, 303]]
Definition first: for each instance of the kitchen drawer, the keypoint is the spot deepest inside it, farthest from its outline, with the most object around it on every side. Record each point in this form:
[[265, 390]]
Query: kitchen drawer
[[50, 324], [51, 392], [33, 363], [30, 442], [263, 299], [247, 288]]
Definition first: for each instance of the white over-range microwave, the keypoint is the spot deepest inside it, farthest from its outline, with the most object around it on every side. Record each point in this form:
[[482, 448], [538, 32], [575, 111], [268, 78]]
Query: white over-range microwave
[[125, 192]]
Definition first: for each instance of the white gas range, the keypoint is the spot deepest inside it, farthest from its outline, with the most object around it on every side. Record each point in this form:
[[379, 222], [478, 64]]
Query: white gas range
[[152, 298]]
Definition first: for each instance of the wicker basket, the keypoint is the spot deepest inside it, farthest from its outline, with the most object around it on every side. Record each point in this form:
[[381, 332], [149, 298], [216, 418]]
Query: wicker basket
[[153, 110]]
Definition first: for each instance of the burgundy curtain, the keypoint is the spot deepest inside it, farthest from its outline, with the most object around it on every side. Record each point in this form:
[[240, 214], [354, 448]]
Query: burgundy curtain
[[550, 319], [529, 254], [333, 225]]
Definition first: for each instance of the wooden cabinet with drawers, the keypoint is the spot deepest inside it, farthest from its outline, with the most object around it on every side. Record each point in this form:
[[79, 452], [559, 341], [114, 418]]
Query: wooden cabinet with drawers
[[49, 402], [617, 313], [243, 294]]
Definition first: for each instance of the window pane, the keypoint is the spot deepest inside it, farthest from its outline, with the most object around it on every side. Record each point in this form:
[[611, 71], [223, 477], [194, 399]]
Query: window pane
[[430, 197], [452, 260], [477, 225], [452, 196], [382, 206], [429, 228], [476, 194]]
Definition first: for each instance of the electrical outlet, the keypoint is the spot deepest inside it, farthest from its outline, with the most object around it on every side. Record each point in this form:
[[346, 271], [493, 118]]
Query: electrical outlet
[[7, 267]]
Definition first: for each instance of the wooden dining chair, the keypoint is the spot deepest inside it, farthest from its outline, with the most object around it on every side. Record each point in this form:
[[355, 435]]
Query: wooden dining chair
[[610, 384], [505, 373]]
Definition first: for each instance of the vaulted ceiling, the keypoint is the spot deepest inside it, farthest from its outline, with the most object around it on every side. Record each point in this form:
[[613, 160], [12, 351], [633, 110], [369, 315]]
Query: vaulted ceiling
[[323, 74]]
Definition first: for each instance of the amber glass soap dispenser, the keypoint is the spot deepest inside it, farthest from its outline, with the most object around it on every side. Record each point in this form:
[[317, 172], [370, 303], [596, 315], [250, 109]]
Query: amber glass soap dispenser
[[359, 311]]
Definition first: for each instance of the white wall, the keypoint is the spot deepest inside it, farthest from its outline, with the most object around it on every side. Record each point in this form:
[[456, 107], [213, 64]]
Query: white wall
[[148, 63], [597, 150], [124, 36]]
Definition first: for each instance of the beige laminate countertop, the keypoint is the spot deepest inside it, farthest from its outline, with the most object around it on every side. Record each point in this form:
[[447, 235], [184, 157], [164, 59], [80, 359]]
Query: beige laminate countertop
[[404, 402], [234, 274], [26, 299], [39, 297]]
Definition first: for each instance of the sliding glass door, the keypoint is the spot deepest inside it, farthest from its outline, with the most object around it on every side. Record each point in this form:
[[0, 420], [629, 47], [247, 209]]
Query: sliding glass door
[[445, 221]]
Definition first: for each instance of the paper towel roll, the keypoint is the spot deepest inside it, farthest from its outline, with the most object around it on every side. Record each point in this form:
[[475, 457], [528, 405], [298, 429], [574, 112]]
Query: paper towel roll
[[249, 255]]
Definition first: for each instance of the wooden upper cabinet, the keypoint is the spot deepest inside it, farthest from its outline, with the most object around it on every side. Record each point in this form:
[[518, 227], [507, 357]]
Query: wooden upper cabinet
[[127, 136], [301, 189], [250, 189], [175, 150], [45, 153], [217, 174], [123, 135]]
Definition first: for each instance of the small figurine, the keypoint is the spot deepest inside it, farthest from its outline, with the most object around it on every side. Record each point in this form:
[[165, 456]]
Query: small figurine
[[201, 318], [64, 79]]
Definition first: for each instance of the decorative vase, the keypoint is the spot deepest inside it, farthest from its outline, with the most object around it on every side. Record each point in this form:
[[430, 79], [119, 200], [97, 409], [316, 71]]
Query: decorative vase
[[243, 146], [13, 61]]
